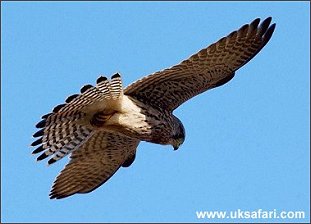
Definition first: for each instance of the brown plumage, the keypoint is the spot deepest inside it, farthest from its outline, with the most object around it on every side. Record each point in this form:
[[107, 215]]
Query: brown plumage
[[209, 68], [94, 163], [102, 127]]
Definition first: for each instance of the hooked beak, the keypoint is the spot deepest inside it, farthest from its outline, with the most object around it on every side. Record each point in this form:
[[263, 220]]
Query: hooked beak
[[177, 143]]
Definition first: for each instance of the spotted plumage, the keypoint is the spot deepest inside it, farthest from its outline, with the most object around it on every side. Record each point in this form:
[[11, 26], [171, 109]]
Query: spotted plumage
[[102, 126]]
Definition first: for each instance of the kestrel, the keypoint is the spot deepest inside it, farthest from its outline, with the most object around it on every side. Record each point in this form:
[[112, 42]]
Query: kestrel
[[102, 126]]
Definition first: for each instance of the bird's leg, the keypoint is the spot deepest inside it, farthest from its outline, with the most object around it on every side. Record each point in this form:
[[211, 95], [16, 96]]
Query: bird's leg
[[99, 119]]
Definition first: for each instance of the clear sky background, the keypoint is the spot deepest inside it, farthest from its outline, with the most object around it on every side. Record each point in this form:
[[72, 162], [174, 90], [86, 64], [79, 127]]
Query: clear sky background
[[247, 143]]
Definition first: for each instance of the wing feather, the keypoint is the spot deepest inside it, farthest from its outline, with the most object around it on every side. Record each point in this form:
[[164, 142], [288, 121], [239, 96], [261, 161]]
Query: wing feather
[[93, 163], [209, 68]]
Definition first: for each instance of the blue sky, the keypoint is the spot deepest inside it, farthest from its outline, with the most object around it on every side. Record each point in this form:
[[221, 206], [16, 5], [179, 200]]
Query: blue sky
[[247, 143]]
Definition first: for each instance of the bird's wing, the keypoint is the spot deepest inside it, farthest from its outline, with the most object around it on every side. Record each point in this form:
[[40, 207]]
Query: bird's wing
[[209, 68], [94, 163]]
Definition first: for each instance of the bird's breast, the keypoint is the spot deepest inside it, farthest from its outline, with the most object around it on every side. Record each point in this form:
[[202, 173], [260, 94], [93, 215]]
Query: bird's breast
[[141, 121]]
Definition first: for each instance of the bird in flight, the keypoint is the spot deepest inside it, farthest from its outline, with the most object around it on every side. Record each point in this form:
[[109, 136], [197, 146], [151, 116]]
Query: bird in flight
[[102, 126]]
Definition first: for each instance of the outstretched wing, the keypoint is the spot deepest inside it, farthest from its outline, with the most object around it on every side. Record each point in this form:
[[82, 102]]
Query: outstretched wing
[[94, 163], [209, 68]]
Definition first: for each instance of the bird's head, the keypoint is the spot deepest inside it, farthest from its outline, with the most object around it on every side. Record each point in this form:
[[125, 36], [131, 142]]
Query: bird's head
[[178, 136]]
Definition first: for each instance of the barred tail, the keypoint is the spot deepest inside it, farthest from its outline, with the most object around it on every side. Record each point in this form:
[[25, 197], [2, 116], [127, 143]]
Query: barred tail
[[69, 125]]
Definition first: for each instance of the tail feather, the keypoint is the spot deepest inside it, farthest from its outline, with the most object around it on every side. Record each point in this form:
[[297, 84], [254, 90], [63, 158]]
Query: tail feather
[[116, 86], [63, 145], [79, 138], [68, 126], [87, 98], [103, 86], [56, 138], [58, 118], [59, 130]]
